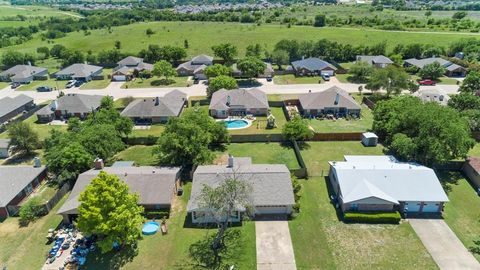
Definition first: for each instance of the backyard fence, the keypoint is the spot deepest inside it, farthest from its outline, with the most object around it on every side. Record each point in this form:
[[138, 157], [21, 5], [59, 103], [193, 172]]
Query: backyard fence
[[23, 116], [350, 136], [370, 104], [241, 138], [57, 197], [303, 171]]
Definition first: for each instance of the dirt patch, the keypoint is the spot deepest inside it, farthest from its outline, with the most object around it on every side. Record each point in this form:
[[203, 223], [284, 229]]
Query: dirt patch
[[9, 226], [221, 160]]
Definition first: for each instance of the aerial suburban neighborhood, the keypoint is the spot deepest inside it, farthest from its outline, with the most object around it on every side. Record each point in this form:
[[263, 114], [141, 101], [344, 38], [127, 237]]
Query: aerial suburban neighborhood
[[240, 135]]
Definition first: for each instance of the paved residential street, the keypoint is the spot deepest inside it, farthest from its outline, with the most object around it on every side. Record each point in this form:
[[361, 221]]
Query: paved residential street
[[444, 246], [274, 246], [113, 89]]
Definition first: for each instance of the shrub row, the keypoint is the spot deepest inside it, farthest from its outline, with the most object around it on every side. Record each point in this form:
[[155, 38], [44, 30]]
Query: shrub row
[[157, 214], [372, 217]]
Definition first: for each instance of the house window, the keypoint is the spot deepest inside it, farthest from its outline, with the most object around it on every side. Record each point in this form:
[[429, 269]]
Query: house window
[[354, 206], [29, 189]]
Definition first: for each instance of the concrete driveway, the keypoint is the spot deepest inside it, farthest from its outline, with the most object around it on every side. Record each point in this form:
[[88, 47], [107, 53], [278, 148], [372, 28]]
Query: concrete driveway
[[274, 246], [444, 246]]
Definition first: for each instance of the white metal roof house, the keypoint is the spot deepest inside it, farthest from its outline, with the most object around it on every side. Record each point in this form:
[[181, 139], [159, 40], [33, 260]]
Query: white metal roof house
[[381, 183], [272, 191]]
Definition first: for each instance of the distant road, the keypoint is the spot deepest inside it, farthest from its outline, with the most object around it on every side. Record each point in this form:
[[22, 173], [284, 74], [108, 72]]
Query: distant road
[[114, 89]]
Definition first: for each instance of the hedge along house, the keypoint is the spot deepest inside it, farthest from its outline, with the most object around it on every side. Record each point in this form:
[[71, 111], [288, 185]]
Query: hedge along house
[[381, 183], [157, 109], [334, 101], [24, 74], [70, 105], [156, 186], [16, 184], [81, 72], [271, 194], [238, 102]]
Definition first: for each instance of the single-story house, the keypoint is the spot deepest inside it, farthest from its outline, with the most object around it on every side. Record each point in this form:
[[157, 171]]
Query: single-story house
[[16, 183], [432, 95], [238, 102], [195, 67], [451, 69], [381, 183], [4, 148], [24, 74], [11, 107], [81, 72], [126, 67], [70, 105], [157, 109], [267, 72], [378, 61], [271, 194], [313, 66], [471, 168], [156, 186], [334, 100]]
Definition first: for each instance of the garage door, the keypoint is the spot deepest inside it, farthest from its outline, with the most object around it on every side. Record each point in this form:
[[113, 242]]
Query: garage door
[[412, 206], [430, 207], [327, 72], [120, 78], [268, 210]]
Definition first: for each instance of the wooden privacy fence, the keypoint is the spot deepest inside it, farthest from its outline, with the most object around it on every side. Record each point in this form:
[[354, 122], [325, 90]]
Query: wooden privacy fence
[[350, 136]]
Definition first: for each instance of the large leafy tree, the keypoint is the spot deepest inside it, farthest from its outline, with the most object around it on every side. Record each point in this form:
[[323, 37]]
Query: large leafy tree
[[217, 70], [163, 68], [251, 67], [427, 133], [391, 79], [23, 139], [280, 57], [226, 51], [108, 209], [187, 139], [221, 82], [431, 71], [297, 129], [469, 106], [360, 71], [471, 83]]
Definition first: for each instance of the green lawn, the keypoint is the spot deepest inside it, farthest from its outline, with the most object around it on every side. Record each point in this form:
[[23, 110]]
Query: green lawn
[[260, 124], [291, 79], [45, 192], [3, 85], [462, 212], [43, 130], [133, 37], [32, 12], [263, 153], [99, 84], [25, 247], [141, 154], [34, 84], [171, 251], [317, 154], [153, 130], [156, 82], [342, 125], [475, 151], [321, 241]]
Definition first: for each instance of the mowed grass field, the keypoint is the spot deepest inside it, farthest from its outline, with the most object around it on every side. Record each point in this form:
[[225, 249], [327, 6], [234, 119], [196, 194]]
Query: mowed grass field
[[133, 37], [7, 11]]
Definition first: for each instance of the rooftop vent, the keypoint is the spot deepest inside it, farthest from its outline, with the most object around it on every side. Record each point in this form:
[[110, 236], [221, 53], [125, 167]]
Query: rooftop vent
[[337, 99]]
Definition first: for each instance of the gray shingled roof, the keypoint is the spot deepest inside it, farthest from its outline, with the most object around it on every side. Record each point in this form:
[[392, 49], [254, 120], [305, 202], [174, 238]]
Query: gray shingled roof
[[8, 104], [73, 103], [130, 61], [248, 98], [22, 71], [4, 143], [154, 185], [271, 183], [454, 67], [78, 70], [374, 59], [312, 64], [202, 58], [326, 99], [169, 105], [144, 66], [420, 63], [14, 179]]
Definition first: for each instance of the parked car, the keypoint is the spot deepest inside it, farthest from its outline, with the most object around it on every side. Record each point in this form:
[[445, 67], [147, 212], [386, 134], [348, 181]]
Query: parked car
[[269, 79], [195, 81], [44, 89], [70, 84], [78, 83], [326, 77], [15, 85], [426, 82]]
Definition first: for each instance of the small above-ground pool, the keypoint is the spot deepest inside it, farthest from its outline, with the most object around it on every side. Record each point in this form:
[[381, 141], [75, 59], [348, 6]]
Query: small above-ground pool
[[150, 228], [236, 124]]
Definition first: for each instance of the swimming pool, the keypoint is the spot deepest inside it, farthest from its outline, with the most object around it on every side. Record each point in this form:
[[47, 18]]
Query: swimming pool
[[150, 228], [236, 124]]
